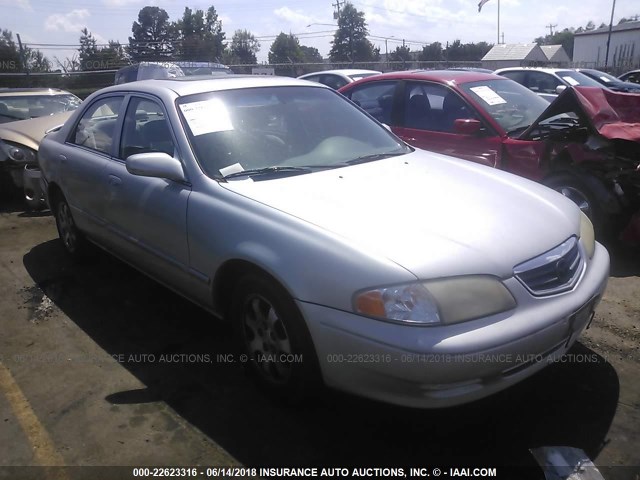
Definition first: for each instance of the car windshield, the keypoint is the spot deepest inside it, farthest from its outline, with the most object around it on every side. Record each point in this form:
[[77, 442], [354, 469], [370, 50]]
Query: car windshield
[[577, 78], [281, 130], [602, 76], [23, 107], [507, 102]]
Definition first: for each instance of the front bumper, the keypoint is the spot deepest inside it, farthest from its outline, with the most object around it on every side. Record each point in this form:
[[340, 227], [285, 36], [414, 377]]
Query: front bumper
[[432, 367]]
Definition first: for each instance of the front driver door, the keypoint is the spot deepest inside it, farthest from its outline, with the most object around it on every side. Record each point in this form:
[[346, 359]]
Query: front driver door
[[427, 117], [147, 216]]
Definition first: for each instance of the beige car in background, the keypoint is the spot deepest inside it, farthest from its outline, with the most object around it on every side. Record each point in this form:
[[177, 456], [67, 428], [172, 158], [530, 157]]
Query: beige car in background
[[19, 139], [19, 142]]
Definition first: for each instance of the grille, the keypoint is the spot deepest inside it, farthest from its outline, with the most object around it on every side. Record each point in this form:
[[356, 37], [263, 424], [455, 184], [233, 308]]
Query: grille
[[555, 271]]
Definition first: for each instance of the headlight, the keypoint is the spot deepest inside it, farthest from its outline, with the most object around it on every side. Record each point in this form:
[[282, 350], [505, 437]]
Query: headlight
[[437, 302], [587, 236], [17, 153]]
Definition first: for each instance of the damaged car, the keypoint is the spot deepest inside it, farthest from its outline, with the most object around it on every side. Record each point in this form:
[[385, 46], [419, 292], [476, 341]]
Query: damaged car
[[19, 144], [584, 144]]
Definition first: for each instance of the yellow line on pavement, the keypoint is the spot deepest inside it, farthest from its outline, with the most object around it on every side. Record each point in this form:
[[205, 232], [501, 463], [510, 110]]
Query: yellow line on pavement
[[43, 448]]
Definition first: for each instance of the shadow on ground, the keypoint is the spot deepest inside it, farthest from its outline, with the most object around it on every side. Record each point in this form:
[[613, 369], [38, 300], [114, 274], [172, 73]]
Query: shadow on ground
[[126, 313]]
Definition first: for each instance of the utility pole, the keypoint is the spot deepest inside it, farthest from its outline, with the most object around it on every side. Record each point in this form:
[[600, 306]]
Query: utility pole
[[337, 6], [606, 58], [23, 56], [551, 27]]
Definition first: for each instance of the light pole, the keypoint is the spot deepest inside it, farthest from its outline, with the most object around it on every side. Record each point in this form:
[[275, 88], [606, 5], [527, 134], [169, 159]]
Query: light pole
[[606, 57], [386, 49]]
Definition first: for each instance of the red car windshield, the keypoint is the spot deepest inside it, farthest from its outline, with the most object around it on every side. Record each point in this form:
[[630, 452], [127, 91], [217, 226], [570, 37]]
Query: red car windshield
[[507, 102]]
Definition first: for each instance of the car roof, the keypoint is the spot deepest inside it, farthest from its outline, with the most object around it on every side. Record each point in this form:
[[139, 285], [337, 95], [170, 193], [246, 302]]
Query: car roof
[[441, 76], [19, 92], [189, 85], [343, 71], [534, 69]]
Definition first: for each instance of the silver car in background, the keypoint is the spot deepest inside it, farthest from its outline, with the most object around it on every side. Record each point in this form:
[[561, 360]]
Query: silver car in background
[[342, 256], [340, 77]]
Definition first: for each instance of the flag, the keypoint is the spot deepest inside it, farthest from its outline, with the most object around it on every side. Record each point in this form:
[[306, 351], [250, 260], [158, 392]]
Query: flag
[[482, 2]]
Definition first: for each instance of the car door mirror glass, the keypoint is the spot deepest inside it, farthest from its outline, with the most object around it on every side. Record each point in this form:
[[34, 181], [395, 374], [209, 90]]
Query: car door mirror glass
[[155, 164]]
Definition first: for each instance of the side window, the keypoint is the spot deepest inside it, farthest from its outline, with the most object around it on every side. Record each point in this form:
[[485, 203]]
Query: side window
[[333, 81], [376, 98], [429, 106], [541, 82], [145, 129], [97, 127], [516, 76]]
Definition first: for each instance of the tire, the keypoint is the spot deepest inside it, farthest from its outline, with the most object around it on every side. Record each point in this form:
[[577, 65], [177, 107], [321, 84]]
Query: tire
[[573, 187], [272, 334], [73, 241]]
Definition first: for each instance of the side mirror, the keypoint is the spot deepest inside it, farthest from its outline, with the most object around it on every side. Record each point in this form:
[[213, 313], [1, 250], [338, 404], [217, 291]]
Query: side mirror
[[386, 126], [560, 89], [467, 126], [155, 164]]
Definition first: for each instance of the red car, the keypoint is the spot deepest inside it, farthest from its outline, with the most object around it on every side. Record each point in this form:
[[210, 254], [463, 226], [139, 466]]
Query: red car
[[495, 121]]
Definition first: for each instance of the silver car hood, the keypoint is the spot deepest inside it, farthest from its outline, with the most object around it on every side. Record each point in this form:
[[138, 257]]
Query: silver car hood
[[432, 214]]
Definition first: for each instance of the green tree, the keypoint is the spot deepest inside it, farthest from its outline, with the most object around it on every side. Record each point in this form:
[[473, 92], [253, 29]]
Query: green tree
[[350, 41], [88, 51], [11, 60], [200, 35], [564, 38], [285, 49], [243, 48], [36, 61], [311, 54], [153, 36], [9, 53], [431, 53], [93, 57], [401, 54]]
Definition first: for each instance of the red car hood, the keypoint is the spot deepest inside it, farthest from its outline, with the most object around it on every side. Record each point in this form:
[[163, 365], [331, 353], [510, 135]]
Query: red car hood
[[613, 115]]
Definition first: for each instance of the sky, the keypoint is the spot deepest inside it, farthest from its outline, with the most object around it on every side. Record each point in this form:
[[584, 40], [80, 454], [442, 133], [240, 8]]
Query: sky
[[42, 23]]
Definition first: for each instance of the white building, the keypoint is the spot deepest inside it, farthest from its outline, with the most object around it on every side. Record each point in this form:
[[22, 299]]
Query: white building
[[514, 55], [556, 55], [589, 48]]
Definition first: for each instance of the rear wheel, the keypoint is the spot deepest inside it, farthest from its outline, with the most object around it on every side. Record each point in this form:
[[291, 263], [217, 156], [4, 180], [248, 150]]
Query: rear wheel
[[272, 334], [72, 239]]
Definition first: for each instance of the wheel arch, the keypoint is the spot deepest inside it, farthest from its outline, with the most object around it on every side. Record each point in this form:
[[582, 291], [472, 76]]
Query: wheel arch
[[227, 277]]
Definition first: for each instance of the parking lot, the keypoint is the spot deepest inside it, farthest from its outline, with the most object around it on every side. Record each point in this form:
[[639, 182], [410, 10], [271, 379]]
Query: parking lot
[[102, 366]]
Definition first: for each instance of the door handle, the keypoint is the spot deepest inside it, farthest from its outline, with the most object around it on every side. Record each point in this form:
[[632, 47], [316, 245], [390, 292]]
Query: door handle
[[63, 159], [114, 181]]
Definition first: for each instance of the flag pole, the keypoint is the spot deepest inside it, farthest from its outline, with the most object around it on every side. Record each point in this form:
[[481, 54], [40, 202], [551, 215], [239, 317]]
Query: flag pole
[[498, 22]]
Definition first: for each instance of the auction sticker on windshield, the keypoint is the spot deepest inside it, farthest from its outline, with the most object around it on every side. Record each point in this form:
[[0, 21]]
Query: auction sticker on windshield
[[208, 116], [488, 95]]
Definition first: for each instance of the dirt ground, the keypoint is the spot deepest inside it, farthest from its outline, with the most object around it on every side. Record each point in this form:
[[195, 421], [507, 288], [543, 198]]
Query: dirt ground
[[101, 366]]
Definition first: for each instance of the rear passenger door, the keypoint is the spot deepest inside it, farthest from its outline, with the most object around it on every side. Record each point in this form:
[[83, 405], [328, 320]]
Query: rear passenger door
[[83, 158], [147, 216], [377, 99]]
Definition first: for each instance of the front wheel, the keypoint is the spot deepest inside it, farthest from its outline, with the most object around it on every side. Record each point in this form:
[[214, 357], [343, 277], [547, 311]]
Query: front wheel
[[274, 339], [576, 190]]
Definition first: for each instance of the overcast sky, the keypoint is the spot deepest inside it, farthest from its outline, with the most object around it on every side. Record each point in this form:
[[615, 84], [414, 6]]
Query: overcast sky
[[419, 22]]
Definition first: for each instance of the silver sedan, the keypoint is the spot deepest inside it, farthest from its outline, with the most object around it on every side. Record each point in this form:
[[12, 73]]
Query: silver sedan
[[342, 256]]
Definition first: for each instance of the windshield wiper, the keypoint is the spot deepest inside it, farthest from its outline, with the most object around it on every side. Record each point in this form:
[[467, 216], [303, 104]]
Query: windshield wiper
[[517, 130], [268, 170], [374, 156]]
